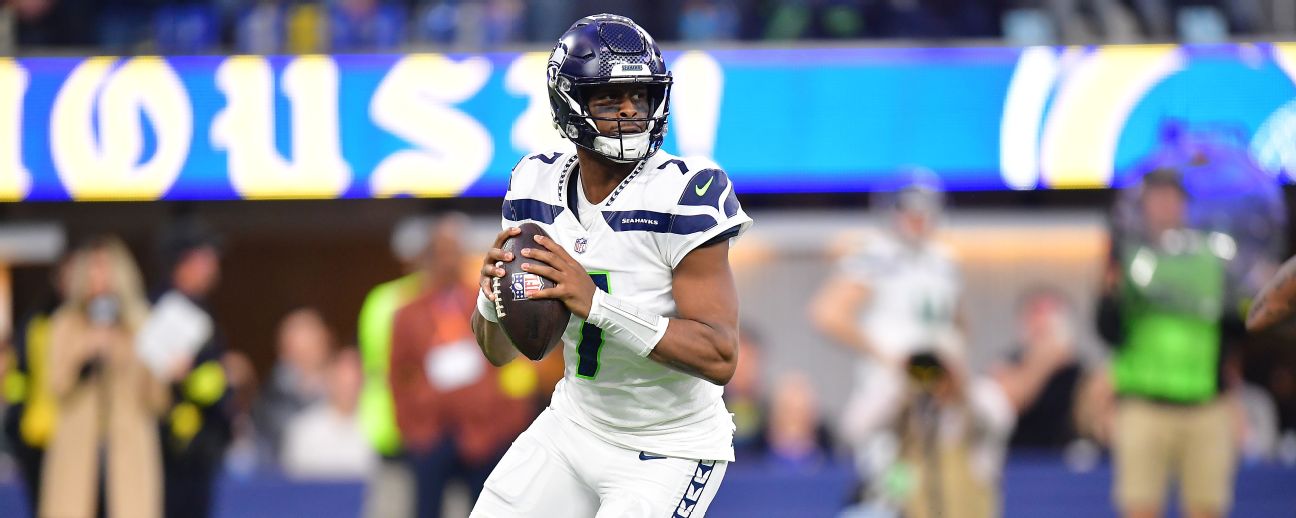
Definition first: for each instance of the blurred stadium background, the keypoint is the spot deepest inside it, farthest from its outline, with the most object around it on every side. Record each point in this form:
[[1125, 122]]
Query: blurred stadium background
[[305, 133]]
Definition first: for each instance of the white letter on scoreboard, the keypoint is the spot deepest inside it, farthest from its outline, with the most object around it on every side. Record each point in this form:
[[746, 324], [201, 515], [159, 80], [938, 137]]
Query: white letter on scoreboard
[[246, 129], [534, 130], [415, 102], [15, 179], [105, 164]]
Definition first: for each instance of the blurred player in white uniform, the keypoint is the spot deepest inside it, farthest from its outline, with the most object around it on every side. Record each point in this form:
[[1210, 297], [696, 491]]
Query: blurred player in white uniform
[[895, 295], [639, 254]]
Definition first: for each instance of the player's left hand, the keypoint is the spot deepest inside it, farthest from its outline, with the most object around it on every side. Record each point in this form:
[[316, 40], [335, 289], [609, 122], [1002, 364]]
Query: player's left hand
[[573, 285]]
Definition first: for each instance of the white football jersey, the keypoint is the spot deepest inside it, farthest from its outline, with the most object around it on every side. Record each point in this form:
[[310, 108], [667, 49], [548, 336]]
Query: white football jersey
[[630, 243], [914, 294]]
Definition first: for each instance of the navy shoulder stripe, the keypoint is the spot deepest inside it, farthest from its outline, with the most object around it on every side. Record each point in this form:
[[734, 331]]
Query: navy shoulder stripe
[[526, 208], [660, 222], [731, 205], [705, 189], [691, 224]]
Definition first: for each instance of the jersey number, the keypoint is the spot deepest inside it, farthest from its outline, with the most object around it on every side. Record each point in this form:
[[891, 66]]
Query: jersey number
[[683, 169], [546, 159], [587, 365]]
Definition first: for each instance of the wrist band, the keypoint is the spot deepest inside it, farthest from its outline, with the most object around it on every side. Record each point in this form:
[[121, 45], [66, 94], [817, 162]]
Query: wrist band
[[637, 328], [486, 307]]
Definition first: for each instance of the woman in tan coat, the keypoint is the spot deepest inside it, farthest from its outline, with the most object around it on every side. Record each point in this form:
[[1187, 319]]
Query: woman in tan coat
[[108, 400]]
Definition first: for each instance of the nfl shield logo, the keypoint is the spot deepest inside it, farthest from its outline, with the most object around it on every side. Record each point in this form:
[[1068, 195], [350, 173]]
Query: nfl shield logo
[[581, 243], [525, 285], [518, 286], [531, 283]]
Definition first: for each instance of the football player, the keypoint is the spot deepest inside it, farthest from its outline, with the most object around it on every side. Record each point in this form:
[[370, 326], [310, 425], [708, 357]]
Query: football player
[[895, 296], [639, 254]]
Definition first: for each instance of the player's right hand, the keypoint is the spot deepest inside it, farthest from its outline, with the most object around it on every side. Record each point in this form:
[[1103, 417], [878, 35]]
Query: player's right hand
[[495, 255]]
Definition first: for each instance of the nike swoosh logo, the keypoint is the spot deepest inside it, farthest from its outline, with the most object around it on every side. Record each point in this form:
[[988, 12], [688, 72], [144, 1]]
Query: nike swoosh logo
[[702, 189], [646, 456]]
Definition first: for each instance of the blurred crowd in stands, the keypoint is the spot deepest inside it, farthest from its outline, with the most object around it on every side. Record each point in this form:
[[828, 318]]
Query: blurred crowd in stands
[[298, 26]]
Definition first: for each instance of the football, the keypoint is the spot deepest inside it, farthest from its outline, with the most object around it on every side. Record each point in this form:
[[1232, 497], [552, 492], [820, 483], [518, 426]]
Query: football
[[533, 325]]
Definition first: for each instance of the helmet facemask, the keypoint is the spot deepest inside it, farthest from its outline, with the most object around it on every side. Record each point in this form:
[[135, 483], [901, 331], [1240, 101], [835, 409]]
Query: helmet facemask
[[634, 138]]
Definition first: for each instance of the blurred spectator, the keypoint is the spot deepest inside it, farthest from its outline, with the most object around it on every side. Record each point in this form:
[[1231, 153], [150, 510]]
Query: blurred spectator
[[325, 441], [815, 19], [503, 22], [481, 24], [124, 25], [300, 376], [1163, 312], [456, 413], [1028, 27], [390, 492], [1081, 21], [197, 428], [709, 20], [365, 25], [954, 430], [306, 28], [1206, 21], [788, 20], [952, 433], [1260, 436], [547, 19], [436, 22], [940, 19], [1201, 24], [186, 28], [54, 22], [29, 419], [261, 29], [244, 454], [1191, 19], [1045, 323], [798, 440], [896, 295], [108, 400]]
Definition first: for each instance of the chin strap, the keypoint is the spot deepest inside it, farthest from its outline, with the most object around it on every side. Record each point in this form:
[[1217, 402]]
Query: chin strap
[[627, 148], [638, 328]]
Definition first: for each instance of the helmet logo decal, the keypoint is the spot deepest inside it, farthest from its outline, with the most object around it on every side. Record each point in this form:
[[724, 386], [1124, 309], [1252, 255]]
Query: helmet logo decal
[[556, 61]]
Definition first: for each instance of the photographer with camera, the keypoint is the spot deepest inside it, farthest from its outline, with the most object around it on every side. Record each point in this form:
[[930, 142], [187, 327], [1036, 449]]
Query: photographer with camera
[[954, 426], [108, 401]]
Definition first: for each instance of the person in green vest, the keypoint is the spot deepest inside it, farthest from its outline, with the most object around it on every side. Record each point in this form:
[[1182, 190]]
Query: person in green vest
[[390, 492], [1163, 312]]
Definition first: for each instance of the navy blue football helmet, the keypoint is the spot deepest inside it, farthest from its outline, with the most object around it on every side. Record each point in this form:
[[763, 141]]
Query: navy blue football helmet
[[603, 50]]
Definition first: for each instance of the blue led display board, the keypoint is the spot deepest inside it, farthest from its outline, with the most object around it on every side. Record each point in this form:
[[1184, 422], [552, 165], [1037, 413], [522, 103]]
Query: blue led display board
[[802, 120]]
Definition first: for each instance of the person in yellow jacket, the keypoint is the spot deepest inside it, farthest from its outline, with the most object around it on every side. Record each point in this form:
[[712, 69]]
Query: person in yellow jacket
[[29, 418]]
